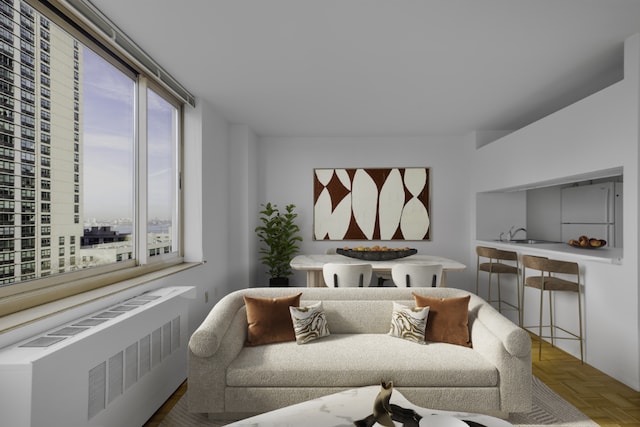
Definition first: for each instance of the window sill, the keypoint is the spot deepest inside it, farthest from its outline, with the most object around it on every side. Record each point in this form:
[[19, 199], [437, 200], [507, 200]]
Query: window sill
[[31, 315]]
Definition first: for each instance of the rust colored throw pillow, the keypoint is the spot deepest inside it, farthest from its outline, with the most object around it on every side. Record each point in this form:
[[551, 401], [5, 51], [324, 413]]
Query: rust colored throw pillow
[[448, 319], [269, 319]]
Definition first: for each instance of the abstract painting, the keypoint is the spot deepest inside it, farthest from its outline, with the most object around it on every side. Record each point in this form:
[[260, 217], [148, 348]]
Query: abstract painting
[[371, 204]]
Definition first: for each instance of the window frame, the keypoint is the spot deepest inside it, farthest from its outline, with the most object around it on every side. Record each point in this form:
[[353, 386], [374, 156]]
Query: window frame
[[142, 255], [31, 293]]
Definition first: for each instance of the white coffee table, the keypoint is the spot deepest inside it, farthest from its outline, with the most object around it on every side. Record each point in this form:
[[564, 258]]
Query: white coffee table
[[341, 409]]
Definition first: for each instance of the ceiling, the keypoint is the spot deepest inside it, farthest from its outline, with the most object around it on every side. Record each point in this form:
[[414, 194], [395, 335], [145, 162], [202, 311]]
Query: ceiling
[[381, 67]]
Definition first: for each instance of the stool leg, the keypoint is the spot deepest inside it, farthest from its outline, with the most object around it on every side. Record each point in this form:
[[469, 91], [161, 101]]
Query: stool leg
[[489, 284], [540, 325], [499, 295], [518, 302], [552, 326], [524, 290], [477, 276], [580, 324]]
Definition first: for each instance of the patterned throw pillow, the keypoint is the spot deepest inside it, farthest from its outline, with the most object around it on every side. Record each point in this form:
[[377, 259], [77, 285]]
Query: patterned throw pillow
[[409, 323], [309, 323]]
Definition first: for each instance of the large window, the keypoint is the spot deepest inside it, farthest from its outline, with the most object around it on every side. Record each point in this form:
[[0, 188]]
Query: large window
[[89, 158]]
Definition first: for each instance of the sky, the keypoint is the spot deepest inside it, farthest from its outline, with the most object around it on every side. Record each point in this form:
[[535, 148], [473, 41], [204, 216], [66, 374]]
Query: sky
[[108, 148]]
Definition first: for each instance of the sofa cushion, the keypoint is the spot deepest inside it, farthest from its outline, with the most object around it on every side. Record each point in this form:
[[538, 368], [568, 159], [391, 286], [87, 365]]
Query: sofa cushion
[[269, 319], [448, 319], [365, 316], [408, 322], [309, 323], [364, 359]]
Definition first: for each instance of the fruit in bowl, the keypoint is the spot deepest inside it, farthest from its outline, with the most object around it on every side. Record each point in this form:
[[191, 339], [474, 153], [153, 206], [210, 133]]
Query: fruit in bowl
[[375, 248], [587, 242]]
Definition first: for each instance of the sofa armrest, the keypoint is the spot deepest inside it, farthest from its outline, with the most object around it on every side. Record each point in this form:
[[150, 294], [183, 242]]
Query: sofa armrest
[[204, 342], [515, 340], [212, 347], [508, 347], [206, 339]]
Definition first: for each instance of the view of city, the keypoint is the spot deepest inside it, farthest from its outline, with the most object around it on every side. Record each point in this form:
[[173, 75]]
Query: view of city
[[67, 154]]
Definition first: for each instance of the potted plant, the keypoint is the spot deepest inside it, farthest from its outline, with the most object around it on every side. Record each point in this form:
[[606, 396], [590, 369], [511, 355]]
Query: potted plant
[[279, 235]]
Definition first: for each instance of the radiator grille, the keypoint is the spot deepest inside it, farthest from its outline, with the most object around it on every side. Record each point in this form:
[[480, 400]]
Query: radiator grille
[[111, 378], [86, 324]]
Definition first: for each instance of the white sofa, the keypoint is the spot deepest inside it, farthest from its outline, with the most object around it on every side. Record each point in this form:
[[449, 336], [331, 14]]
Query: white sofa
[[228, 379]]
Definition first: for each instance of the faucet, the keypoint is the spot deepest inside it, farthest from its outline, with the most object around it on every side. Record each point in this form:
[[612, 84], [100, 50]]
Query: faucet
[[511, 233]]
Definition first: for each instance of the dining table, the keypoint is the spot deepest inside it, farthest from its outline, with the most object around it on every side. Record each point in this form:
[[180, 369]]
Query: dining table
[[312, 264]]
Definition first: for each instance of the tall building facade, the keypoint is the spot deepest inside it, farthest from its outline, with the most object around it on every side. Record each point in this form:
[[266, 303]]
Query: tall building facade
[[40, 145]]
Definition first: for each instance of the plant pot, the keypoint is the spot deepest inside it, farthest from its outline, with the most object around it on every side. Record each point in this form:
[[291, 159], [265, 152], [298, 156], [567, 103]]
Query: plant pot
[[279, 282]]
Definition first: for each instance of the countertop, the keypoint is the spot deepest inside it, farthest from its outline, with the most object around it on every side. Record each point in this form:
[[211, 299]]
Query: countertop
[[316, 261], [608, 255]]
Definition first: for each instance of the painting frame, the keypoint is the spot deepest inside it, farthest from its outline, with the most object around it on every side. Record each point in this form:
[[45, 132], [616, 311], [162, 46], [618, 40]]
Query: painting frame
[[385, 204]]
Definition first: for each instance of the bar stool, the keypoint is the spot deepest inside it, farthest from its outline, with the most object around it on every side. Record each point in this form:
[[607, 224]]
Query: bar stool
[[496, 265], [548, 281]]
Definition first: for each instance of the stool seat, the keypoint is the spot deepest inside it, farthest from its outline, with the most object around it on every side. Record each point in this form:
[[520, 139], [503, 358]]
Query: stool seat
[[551, 284], [499, 268]]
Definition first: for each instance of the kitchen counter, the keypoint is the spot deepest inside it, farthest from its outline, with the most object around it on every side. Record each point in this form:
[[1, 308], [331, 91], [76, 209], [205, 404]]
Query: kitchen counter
[[607, 255]]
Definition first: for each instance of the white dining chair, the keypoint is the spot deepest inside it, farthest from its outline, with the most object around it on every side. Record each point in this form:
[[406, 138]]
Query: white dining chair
[[347, 275], [416, 275]]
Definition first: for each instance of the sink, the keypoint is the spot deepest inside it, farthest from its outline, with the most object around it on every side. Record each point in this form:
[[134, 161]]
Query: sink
[[526, 241]]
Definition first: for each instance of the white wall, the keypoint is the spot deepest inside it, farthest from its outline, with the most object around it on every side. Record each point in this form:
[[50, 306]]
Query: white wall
[[285, 175], [213, 159], [242, 201], [597, 133], [493, 224]]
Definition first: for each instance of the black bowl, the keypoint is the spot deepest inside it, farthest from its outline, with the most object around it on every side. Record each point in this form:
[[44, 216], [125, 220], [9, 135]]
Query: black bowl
[[376, 255]]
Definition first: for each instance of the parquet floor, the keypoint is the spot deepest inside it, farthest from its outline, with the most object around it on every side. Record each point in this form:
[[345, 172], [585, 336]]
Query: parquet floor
[[157, 418], [605, 400]]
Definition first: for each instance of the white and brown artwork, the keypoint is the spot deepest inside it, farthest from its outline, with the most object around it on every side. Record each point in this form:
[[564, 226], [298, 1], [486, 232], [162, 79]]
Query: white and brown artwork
[[371, 204]]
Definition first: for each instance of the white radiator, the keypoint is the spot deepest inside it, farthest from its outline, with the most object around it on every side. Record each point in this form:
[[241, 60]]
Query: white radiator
[[115, 367]]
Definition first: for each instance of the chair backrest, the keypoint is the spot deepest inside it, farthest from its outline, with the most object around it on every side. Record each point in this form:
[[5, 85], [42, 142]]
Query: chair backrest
[[550, 265], [416, 275], [347, 275], [496, 254]]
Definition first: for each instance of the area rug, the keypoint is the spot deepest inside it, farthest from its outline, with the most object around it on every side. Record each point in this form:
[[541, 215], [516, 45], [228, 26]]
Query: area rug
[[549, 409]]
